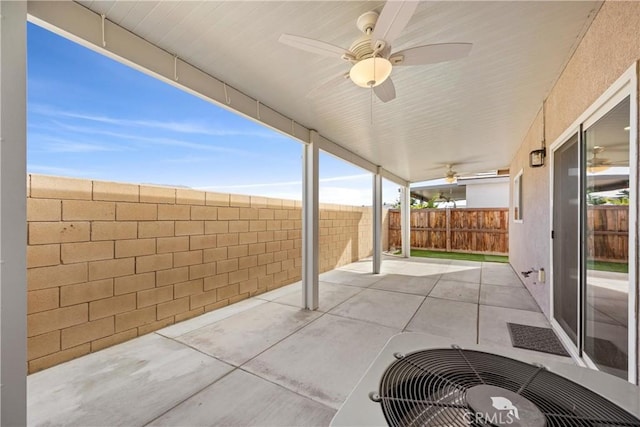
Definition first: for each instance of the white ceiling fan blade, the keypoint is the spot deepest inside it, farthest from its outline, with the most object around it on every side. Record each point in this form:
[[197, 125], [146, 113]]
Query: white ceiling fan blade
[[431, 54], [312, 45], [394, 17], [385, 91], [327, 86]]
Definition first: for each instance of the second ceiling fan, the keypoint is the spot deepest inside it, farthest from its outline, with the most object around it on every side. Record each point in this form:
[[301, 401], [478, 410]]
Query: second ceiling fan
[[370, 54]]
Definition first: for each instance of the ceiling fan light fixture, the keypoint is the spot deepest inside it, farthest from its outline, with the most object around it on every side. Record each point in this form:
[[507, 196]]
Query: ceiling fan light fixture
[[450, 179], [370, 72]]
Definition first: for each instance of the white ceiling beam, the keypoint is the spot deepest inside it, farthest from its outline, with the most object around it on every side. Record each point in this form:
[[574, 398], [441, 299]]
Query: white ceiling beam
[[76, 22]]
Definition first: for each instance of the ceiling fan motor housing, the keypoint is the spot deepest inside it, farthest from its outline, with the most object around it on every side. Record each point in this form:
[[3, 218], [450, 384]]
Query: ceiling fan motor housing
[[367, 21]]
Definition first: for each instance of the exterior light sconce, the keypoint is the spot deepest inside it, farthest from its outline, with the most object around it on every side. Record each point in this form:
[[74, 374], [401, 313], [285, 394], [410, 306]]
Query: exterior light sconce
[[536, 158]]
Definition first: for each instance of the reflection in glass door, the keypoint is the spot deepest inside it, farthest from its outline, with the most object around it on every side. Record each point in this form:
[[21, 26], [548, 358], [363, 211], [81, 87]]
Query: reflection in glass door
[[566, 227], [607, 241]]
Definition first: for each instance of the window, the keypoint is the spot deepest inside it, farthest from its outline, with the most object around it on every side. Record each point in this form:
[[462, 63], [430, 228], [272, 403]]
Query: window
[[517, 198]]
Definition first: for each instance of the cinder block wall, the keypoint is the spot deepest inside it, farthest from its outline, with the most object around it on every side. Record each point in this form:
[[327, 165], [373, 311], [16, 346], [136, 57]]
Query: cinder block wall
[[110, 261]]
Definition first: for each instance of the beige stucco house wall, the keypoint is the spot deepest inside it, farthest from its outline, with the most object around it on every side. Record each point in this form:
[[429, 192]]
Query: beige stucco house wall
[[610, 47]]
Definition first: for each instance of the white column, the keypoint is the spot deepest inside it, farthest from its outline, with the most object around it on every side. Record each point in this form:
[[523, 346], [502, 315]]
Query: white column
[[405, 220], [13, 216], [310, 221], [377, 222]]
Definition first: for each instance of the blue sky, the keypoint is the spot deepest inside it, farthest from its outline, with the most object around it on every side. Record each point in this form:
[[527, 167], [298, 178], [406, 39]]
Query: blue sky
[[92, 117]]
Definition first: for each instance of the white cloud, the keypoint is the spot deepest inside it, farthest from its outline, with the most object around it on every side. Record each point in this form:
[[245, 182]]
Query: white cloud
[[135, 138], [58, 145], [355, 189], [53, 170], [171, 126], [281, 184]]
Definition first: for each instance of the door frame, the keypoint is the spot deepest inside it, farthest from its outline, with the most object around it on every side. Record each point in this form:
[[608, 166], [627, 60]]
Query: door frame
[[625, 85]]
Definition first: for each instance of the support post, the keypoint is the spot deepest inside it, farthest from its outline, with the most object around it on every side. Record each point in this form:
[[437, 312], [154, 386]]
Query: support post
[[448, 228], [405, 221], [13, 213], [377, 222], [310, 221]]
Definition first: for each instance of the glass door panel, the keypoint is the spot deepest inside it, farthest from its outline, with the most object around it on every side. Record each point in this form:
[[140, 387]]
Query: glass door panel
[[607, 241], [566, 227]]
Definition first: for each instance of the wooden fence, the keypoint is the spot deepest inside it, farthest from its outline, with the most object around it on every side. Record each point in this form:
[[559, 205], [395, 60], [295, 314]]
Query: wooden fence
[[473, 230], [486, 230], [608, 233]]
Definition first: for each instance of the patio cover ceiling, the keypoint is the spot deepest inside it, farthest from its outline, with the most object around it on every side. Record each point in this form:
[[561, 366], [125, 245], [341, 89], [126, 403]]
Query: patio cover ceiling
[[472, 112]]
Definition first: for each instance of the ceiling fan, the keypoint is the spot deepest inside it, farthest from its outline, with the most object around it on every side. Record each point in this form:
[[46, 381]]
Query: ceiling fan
[[597, 164], [450, 175], [370, 54]]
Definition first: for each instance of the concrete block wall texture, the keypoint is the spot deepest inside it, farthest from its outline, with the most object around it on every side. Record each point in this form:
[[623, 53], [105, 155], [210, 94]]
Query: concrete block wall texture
[[107, 262]]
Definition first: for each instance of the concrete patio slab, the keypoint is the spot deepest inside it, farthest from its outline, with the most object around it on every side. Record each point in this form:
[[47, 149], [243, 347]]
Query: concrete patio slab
[[209, 318], [413, 269], [129, 384], [418, 285], [295, 367], [392, 309], [462, 273], [362, 266], [499, 274], [507, 296], [280, 292], [446, 318], [330, 295], [351, 278], [493, 323], [493, 327], [239, 338], [225, 404], [324, 360], [456, 290]]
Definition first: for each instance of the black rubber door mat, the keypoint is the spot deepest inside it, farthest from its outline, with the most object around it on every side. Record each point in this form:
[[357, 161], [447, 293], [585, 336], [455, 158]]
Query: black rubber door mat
[[536, 338]]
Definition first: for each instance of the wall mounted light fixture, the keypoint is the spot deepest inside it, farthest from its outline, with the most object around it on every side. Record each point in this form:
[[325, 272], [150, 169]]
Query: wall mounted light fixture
[[536, 158]]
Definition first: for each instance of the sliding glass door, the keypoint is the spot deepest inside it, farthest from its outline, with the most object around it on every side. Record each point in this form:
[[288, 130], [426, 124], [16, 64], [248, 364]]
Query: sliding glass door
[[566, 247], [592, 286], [606, 305]]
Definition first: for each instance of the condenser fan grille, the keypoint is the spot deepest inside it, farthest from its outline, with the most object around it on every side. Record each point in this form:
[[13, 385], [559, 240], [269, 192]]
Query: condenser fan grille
[[432, 388]]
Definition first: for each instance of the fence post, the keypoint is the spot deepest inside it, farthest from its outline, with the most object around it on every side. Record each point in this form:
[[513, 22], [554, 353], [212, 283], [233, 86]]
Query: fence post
[[448, 227]]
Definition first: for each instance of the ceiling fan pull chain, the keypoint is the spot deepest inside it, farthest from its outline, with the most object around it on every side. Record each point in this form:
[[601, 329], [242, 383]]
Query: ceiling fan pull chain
[[371, 105]]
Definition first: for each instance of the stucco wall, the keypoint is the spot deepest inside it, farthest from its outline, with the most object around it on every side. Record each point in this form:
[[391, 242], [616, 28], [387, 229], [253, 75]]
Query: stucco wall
[[107, 261], [529, 240], [608, 49]]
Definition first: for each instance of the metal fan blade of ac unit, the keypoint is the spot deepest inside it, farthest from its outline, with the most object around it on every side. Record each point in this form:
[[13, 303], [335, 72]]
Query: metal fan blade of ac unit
[[394, 17], [385, 91], [431, 54], [315, 46]]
